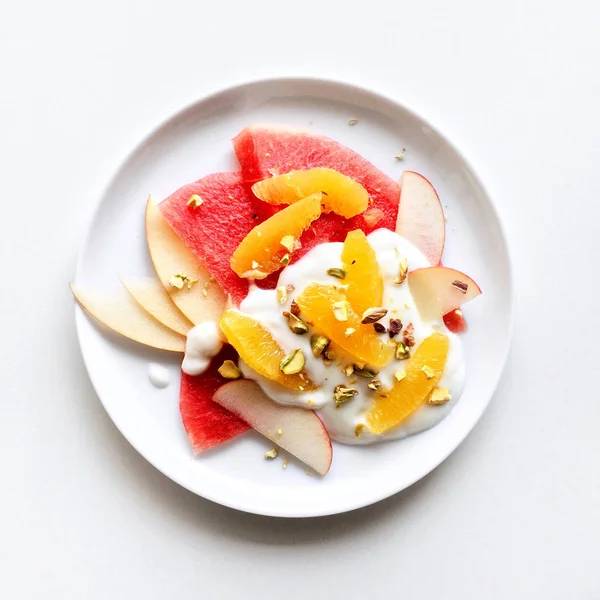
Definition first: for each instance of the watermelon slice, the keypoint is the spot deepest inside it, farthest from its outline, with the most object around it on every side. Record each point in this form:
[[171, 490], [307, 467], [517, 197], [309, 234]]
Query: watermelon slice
[[265, 150], [213, 230], [229, 210], [206, 423]]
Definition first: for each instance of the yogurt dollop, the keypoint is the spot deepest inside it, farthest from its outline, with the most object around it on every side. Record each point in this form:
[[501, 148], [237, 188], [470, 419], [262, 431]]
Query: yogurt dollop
[[204, 341], [341, 422]]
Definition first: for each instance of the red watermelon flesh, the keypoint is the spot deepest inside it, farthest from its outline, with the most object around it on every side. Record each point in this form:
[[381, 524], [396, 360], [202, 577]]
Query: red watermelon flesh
[[207, 423], [264, 150], [214, 229]]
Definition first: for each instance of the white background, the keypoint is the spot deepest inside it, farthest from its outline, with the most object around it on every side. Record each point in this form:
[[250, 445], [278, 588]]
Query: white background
[[514, 512]]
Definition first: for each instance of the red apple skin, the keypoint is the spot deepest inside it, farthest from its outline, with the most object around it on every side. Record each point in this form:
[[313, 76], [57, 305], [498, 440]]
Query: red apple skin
[[246, 400], [455, 321], [421, 217], [436, 290]]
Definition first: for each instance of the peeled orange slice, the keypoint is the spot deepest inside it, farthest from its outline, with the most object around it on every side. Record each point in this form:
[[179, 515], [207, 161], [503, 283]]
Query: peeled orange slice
[[341, 194], [423, 372], [259, 350], [363, 277], [328, 310], [261, 252]]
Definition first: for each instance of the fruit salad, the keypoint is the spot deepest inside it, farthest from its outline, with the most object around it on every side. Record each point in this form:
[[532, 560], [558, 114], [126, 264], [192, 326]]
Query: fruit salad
[[307, 296]]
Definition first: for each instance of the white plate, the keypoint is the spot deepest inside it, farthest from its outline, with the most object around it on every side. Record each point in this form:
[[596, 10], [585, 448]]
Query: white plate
[[196, 142]]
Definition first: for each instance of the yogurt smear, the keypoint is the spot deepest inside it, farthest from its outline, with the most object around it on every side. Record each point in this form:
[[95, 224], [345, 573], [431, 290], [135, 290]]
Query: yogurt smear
[[204, 341], [341, 422], [158, 375]]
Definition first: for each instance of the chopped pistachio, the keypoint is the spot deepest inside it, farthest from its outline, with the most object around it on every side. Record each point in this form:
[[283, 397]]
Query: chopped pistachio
[[395, 327], [195, 201], [429, 372], [326, 362], [399, 156], [374, 384], [358, 429], [295, 309], [179, 280], [229, 370], [308, 473], [337, 273], [372, 315], [408, 335], [205, 292], [293, 363], [342, 394], [340, 310], [352, 122], [296, 324], [284, 464], [352, 381], [348, 370], [402, 352], [399, 375], [271, 453], [255, 274], [281, 294], [329, 354], [318, 343], [349, 331], [310, 402], [285, 260], [364, 372], [287, 241], [439, 396], [461, 286], [280, 431], [402, 272]]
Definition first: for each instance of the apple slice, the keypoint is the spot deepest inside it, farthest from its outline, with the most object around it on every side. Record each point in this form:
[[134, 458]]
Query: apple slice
[[204, 300], [439, 290], [301, 431], [120, 312], [420, 216], [150, 294]]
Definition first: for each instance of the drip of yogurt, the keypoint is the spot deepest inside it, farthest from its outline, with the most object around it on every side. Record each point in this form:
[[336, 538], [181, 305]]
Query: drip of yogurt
[[204, 341], [341, 423], [158, 375]]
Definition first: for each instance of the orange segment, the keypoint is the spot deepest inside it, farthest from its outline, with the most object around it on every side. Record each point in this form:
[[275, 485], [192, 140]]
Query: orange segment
[[341, 194], [261, 251], [363, 278], [317, 303], [393, 406], [259, 350]]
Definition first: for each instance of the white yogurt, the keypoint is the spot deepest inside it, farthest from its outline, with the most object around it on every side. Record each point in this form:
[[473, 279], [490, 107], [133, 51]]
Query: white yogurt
[[204, 341], [341, 422], [158, 375]]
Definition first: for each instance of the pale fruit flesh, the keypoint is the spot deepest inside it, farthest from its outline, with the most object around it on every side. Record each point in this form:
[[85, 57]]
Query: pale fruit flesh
[[421, 217], [116, 309], [151, 295], [439, 290], [295, 429], [204, 301]]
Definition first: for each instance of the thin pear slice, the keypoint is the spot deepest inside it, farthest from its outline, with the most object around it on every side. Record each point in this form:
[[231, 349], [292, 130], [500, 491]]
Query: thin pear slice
[[204, 300], [295, 429], [150, 294], [116, 309]]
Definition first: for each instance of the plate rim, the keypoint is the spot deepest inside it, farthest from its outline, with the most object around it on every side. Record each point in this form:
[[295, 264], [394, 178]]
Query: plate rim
[[353, 87]]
